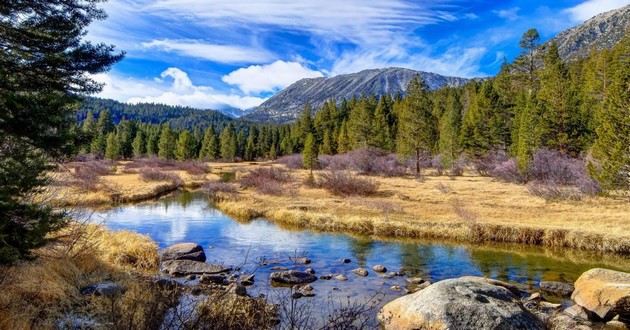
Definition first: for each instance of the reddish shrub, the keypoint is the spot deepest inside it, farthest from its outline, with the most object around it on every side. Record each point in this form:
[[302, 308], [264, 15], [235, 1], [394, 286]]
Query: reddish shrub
[[192, 168], [550, 191], [151, 174], [291, 161], [86, 175], [485, 164], [507, 171], [266, 180], [369, 161], [152, 162], [344, 183]]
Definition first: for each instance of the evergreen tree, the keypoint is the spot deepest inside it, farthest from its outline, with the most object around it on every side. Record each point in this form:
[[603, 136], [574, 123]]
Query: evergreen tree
[[561, 122], [112, 150], [229, 144], [152, 142], [382, 137], [326, 147], [450, 124], [185, 148], [250, 146], [360, 125], [97, 147], [104, 124], [309, 154], [343, 140], [305, 124], [89, 124], [416, 126], [527, 63], [126, 131], [528, 132], [166, 144], [209, 145], [139, 144], [612, 144]]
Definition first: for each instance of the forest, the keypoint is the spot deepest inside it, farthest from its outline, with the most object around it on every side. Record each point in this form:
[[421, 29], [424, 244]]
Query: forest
[[578, 109]]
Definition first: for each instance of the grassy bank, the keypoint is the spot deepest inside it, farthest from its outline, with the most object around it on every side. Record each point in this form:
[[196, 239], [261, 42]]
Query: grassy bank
[[468, 208]]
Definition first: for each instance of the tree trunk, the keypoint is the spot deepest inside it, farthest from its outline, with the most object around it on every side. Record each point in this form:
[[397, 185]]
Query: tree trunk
[[417, 162]]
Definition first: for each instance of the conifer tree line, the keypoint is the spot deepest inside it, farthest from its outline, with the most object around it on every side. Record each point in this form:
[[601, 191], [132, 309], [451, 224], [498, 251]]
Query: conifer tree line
[[580, 109]]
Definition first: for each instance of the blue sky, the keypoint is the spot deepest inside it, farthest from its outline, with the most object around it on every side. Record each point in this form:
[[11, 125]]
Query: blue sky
[[217, 54]]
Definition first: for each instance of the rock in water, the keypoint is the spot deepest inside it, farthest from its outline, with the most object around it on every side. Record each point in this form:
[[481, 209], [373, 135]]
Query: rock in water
[[183, 251], [557, 288], [187, 267], [360, 272], [292, 277], [462, 303], [604, 292], [379, 268]]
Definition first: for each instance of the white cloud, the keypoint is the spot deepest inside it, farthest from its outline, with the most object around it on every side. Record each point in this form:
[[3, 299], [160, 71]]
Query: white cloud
[[269, 77], [455, 61], [173, 87], [212, 52], [354, 20], [590, 8], [510, 14]]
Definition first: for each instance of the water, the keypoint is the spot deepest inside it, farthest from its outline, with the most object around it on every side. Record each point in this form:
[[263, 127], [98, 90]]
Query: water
[[188, 217]]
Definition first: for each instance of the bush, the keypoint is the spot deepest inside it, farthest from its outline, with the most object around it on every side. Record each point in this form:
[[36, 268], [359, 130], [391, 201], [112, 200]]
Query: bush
[[266, 180], [485, 164], [218, 190], [344, 183], [150, 174], [507, 171], [552, 166], [368, 161], [294, 161], [192, 167], [87, 174], [550, 191], [458, 167]]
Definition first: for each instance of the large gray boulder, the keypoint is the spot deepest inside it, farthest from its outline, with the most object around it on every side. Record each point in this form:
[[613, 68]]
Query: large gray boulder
[[462, 303], [292, 277], [183, 251], [187, 267]]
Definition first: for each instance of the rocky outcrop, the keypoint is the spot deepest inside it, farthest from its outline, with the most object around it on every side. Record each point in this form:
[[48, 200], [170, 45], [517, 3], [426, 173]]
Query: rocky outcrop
[[291, 277], [187, 267], [604, 292], [557, 288], [461, 303], [183, 251]]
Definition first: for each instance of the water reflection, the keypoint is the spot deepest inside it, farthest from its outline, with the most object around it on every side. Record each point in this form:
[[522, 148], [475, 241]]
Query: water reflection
[[189, 217]]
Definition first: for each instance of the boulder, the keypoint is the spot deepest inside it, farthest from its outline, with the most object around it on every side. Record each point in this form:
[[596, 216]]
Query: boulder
[[291, 277], [346, 260], [237, 289], [360, 272], [213, 278], [187, 267], [563, 321], [166, 283], [462, 303], [557, 288], [604, 292], [183, 251], [379, 268], [106, 289]]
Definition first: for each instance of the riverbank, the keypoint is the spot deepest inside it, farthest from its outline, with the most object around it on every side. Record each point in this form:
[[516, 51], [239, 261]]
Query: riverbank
[[468, 208]]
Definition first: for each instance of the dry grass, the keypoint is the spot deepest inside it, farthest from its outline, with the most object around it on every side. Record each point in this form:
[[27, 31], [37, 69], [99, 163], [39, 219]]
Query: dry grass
[[502, 212], [35, 294]]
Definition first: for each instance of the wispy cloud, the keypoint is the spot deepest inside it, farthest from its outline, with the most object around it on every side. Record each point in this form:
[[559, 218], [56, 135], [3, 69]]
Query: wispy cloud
[[269, 77], [509, 14], [590, 8], [212, 52], [173, 87]]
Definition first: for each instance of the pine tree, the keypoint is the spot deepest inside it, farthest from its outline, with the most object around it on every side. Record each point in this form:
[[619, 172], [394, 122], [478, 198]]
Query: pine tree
[[250, 146], [89, 124], [343, 140], [185, 148], [97, 147], [360, 124], [326, 147], [104, 124], [382, 137], [450, 124], [309, 154], [612, 144], [166, 144], [126, 131], [561, 127], [484, 127], [528, 135], [416, 127], [527, 63], [152, 142], [139, 144], [305, 124], [209, 145], [112, 149], [229, 144]]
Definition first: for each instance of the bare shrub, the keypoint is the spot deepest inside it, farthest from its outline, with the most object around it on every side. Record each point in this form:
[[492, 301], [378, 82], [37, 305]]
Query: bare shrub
[[368, 161], [551, 166], [485, 164], [86, 175], [438, 164], [550, 191], [463, 212], [218, 190], [458, 167], [294, 161], [192, 167], [441, 187], [344, 183], [266, 180], [507, 171], [150, 174], [152, 162]]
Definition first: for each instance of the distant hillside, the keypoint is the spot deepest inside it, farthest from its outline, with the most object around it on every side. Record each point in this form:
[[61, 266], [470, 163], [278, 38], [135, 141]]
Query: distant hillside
[[287, 104], [600, 32], [178, 117]]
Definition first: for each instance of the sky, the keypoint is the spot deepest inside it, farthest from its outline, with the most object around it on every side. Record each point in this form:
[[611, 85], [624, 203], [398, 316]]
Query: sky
[[235, 54]]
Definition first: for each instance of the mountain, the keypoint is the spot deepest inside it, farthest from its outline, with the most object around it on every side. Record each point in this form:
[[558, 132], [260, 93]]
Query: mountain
[[600, 32], [288, 103], [178, 117]]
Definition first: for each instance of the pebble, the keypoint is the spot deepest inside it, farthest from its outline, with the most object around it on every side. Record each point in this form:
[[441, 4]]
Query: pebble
[[341, 277], [379, 268], [360, 272]]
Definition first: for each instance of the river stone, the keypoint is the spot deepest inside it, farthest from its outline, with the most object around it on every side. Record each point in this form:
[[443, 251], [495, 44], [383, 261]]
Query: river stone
[[415, 280], [379, 268], [604, 292], [463, 303], [183, 251], [292, 277], [187, 267], [247, 279], [360, 272], [557, 288], [302, 260], [106, 289], [212, 278], [341, 277], [310, 270]]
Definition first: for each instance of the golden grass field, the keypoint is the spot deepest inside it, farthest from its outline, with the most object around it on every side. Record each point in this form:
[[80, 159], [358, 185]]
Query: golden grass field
[[469, 208]]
